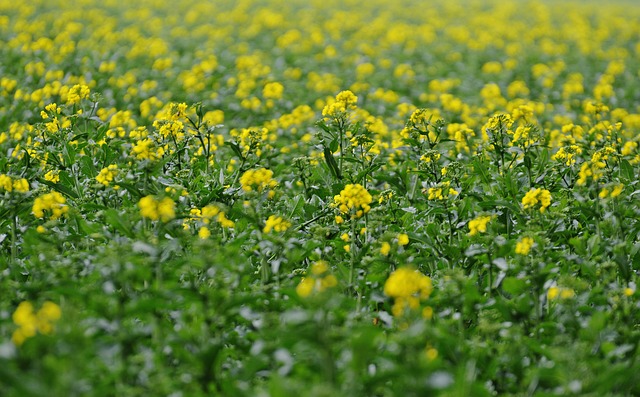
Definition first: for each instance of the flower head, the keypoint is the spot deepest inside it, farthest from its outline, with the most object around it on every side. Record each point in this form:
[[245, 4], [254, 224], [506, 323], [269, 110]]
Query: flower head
[[157, 209], [353, 200], [479, 225], [408, 287], [535, 197], [53, 203]]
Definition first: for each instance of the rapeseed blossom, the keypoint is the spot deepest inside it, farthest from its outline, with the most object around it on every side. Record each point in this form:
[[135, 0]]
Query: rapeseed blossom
[[441, 191], [107, 174], [53, 203], [536, 196], [523, 246], [344, 101], [9, 184], [353, 200], [567, 154], [259, 179], [479, 225], [30, 322], [276, 224], [408, 287], [319, 280], [163, 209]]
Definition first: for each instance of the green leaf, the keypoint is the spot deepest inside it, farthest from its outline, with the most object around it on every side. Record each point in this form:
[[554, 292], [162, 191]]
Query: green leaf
[[331, 163], [118, 221], [513, 285]]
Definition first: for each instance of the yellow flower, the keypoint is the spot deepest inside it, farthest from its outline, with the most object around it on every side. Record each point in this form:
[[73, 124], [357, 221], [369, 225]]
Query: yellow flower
[[353, 200], [52, 176], [30, 322], [259, 179], [567, 293], [523, 247], [6, 183], [442, 191], [145, 149], [386, 247], [431, 353], [537, 196], [204, 233], [305, 287], [617, 190], [427, 313], [319, 280], [478, 225], [154, 209], [408, 287], [9, 184], [77, 93], [53, 203], [628, 291], [561, 292], [403, 239], [21, 185], [107, 174], [273, 90], [319, 267], [344, 101], [276, 223]]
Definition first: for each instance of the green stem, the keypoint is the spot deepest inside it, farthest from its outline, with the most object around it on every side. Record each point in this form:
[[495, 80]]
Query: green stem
[[264, 270], [352, 261], [14, 239]]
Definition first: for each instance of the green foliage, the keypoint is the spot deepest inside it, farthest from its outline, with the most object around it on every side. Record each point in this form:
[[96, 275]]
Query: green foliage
[[237, 198]]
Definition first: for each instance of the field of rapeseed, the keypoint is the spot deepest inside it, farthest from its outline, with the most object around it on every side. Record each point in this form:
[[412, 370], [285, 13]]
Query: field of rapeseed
[[319, 198]]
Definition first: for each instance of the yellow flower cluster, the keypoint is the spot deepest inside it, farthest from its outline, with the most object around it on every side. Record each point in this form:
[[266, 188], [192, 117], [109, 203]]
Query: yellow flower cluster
[[408, 287], [145, 149], [30, 322], [259, 179], [385, 248], [560, 292], [567, 154], [537, 196], [52, 176], [353, 200], [273, 90], [479, 225], [431, 156], [499, 122], [157, 209], [107, 174], [53, 203], [524, 245], [594, 168], [319, 280], [612, 192], [442, 191], [170, 129], [77, 93], [276, 224], [206, 215], [9, 184], [344, 101]]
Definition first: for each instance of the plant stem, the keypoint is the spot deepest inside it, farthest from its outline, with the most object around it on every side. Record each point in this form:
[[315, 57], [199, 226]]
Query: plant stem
[[352, 253], [14, 239]]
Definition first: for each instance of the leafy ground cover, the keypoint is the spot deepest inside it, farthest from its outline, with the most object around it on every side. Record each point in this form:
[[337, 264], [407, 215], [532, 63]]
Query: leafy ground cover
[[319, 198]]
